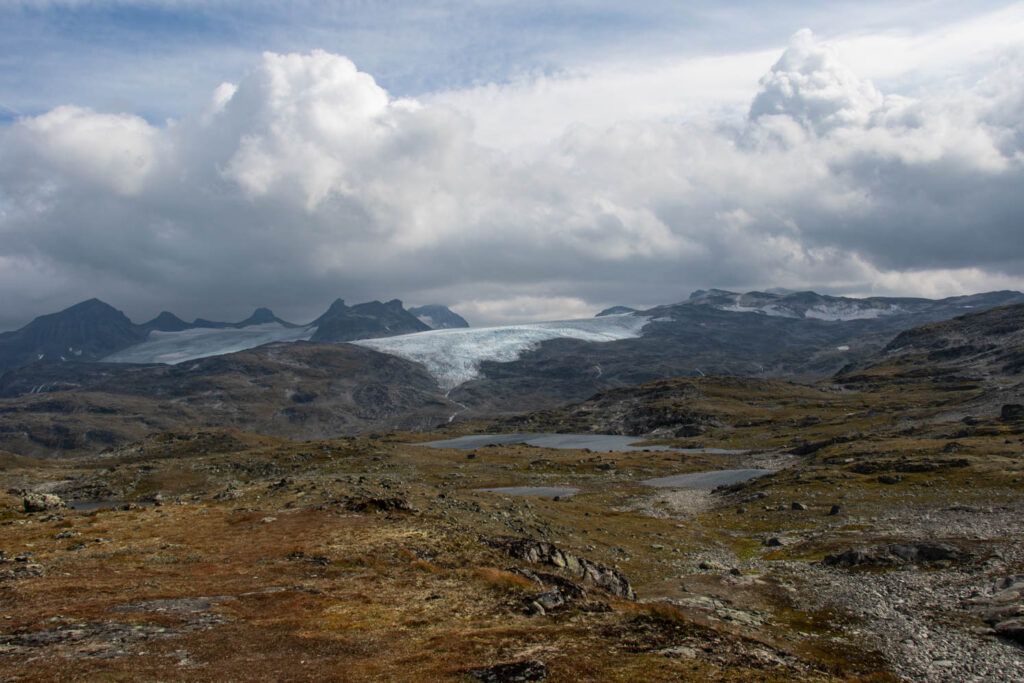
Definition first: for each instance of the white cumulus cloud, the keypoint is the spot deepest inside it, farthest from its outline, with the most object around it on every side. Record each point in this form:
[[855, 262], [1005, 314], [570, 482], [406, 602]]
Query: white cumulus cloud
[[307, 180]]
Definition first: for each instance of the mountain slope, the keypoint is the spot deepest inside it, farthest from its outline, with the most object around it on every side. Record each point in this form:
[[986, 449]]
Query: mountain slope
[[297, 390]]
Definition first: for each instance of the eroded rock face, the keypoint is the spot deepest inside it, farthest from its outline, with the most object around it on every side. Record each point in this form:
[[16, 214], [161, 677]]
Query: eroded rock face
[[42, 502], [895, 554], [541, 552]]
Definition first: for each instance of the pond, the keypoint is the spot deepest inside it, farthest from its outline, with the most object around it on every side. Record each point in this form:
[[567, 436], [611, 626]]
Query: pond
[[598, 443], [706, 480]]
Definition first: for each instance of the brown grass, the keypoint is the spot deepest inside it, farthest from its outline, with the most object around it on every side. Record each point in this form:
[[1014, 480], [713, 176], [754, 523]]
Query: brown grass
[[503, 580]]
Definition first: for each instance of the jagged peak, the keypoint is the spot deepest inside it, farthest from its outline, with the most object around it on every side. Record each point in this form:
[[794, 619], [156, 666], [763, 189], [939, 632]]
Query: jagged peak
[[260, 315]]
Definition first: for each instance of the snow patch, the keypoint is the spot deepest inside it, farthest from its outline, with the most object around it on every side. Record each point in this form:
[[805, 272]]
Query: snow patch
[[770, 309], [829, 312], [177, 347], [453, 356], [826, 312]]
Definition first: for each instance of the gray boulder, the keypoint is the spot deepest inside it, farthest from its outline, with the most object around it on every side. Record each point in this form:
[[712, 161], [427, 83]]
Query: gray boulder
[[42, 502]]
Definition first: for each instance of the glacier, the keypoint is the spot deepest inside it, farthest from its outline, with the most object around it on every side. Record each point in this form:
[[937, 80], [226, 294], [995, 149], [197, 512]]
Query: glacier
[[177, 347], [453, 356]]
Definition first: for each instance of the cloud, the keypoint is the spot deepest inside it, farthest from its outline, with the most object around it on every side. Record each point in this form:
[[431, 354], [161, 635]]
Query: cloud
[[306, 180], [810, 85]]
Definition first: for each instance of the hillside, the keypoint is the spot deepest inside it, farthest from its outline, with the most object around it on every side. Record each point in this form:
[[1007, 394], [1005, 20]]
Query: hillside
[[299, 390]]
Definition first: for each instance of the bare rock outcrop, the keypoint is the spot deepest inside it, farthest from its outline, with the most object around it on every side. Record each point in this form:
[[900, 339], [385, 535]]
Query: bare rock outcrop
[[542, 552]]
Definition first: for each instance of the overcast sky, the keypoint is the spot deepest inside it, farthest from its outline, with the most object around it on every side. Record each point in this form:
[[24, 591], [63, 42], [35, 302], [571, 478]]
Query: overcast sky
[[515, 160]]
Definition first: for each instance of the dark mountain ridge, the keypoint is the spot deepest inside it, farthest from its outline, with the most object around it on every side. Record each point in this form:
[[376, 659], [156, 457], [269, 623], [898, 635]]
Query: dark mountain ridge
[[363, 321], [86, 331]]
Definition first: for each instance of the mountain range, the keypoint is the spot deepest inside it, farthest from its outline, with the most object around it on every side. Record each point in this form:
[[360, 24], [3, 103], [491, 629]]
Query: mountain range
[[93, 330], [304, 383], [800, 335]]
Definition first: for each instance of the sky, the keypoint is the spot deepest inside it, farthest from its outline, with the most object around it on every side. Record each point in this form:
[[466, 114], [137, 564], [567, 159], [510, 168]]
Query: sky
[[514, 160]]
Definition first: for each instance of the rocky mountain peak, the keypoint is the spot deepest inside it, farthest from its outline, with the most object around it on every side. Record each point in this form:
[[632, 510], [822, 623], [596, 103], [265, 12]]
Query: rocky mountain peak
[[438, 317]]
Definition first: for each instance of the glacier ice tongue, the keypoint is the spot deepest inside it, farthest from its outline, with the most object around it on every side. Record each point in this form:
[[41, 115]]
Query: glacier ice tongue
[[453, 356], [177, 347]]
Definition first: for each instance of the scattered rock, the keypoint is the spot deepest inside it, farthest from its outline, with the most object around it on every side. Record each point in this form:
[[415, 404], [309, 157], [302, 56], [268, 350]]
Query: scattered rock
[[20, 570], [773, 542], [86, 543], [680, 652], [511, 672], [178, 606], [372, 504], [317, 560], [798, 506], [834, 510], [711, 567], [890, 478]]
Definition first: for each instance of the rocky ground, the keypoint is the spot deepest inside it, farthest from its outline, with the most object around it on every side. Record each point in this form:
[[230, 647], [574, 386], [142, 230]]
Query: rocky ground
[[885, 547]]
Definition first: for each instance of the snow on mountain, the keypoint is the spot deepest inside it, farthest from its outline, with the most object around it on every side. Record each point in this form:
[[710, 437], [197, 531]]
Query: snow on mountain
[[766, 310], [176, 347], [832, 312], [846, 312], [453, 356]]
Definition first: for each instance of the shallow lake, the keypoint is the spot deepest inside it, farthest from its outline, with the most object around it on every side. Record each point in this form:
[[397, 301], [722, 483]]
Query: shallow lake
[[548, 491], [706, 480], [598, 443]]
